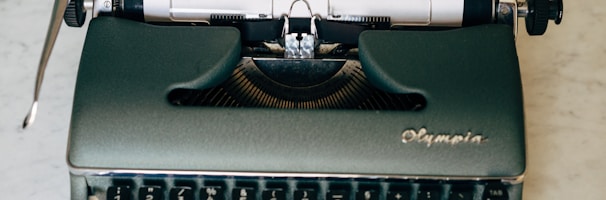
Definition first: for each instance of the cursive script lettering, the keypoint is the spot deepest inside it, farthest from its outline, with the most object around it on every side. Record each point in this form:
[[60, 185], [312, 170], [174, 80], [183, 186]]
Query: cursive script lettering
[[422, 136]]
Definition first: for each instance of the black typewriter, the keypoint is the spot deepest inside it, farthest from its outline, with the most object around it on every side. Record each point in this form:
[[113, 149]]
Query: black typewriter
[[298, 99]]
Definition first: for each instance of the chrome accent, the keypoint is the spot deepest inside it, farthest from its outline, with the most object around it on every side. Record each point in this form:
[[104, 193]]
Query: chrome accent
[[49, 43], [306, 4], [431, 13], [102, 6], [522, 9], [107, 171], [423, 136], [494, 4], [507, 13], [303, 47], [88, 4], [291, 46], [307, 45]]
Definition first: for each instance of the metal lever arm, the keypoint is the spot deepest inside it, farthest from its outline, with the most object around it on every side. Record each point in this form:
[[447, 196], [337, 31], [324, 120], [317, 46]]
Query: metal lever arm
[[51, 37]]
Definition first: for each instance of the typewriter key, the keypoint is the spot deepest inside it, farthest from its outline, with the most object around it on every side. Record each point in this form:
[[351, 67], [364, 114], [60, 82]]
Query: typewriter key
[[337, 195], [151, 193], [461, 194], [118, 193], [211, 193], [305, 195], [429, 193], [398, 195], [181, 193], [243, 194], [495, 192], [273, 194], [367, 195]]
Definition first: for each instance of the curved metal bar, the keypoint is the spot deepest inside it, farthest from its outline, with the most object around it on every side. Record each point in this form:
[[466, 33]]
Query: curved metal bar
[[49, 43]]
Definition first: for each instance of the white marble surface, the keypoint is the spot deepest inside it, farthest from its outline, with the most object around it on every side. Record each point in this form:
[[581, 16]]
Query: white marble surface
[[563, 72]]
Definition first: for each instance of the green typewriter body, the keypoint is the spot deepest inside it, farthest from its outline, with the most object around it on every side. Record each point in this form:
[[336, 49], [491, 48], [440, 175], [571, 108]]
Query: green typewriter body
[[193, 112]]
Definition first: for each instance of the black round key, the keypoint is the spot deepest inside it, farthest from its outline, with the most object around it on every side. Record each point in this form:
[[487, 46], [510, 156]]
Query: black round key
[[429, 193], [243, 194], [118, 193], [212, 193], [495, 192], [337, 195], [181, 193], [151, 193], [367, 195], [461, 194], [273, 194], [305, 195], [398, 195]]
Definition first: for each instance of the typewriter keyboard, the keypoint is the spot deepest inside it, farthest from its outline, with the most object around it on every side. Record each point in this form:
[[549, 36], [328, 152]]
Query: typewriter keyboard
[[230, 188]]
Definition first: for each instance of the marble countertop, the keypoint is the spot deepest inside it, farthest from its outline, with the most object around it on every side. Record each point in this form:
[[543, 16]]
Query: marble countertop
[[563, 74]]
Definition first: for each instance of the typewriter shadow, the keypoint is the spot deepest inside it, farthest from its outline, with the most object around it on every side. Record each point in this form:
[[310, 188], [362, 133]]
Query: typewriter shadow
[[562, 129], [542, 147]]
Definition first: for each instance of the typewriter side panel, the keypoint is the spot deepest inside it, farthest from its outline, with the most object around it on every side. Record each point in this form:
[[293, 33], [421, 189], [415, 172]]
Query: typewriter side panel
[[470, 74]]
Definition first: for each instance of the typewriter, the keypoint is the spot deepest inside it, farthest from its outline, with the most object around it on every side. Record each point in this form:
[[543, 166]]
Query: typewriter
[[297, 99]]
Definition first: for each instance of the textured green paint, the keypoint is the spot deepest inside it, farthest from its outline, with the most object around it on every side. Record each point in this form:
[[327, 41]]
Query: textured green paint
[[121, 118]]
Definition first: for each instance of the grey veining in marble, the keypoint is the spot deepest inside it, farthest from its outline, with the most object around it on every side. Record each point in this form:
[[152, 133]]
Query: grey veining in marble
[[563, 72]]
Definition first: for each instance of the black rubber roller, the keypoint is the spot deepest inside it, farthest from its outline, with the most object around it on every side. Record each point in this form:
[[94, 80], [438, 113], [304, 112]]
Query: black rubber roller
[[539, 14], [75, 13]]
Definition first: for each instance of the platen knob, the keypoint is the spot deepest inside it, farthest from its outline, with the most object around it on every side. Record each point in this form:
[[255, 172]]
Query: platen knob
[[539, 14], [556, 10], [75, 13]]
